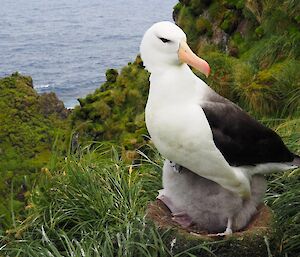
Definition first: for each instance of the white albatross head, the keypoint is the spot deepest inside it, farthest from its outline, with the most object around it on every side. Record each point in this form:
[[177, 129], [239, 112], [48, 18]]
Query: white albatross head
[[164, 44]]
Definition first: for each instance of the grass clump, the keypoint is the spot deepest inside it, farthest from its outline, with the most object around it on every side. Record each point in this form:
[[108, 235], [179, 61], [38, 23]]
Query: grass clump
[[286, 207], [92, 204], [283, 194]]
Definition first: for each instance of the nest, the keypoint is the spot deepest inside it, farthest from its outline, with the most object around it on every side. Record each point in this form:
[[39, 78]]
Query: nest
[[251, 241]]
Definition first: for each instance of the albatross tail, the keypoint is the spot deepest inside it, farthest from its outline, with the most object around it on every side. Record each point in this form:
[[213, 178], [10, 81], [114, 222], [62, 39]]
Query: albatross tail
[[267, 168]]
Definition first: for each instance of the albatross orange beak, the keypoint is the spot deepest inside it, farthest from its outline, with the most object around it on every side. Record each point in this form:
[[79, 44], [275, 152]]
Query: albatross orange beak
[[186, 55]]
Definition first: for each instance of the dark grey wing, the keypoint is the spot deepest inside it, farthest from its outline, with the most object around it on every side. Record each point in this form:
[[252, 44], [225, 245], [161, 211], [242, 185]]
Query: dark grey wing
[[241, 139]]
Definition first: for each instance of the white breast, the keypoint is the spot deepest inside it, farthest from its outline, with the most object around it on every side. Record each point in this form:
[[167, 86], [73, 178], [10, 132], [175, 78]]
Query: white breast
[[177, 126], [176, 122], [179, 129]]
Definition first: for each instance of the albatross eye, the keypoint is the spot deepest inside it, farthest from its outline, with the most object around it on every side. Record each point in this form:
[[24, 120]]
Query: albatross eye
[[164, 40]]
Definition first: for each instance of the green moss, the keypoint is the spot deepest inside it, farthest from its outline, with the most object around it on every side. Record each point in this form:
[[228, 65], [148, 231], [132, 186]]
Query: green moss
[[28, 127], [259, 31], [221, 77], [229, 22], [197, 7], [216, 10], [177, 7], [186, 20], [235, 44], [203, 26], [234, 4], [176, 10], [111, 75], [111, 112]]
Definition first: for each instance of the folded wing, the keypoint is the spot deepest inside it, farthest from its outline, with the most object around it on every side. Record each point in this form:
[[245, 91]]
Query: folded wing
[[241, 139]]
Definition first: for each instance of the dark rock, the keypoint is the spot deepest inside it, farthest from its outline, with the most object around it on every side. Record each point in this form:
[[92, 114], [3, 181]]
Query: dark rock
[[50, 104], [233, 51], [219, 38]]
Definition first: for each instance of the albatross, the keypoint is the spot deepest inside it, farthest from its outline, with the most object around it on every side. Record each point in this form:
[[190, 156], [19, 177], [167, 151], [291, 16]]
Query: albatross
[[194, 127]]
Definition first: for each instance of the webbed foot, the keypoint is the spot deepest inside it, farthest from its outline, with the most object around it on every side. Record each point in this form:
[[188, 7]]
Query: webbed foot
[[182, 218], [227, 232]]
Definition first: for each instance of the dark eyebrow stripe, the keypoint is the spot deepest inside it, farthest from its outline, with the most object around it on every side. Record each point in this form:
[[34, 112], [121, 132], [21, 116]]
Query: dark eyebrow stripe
[[165, 40]]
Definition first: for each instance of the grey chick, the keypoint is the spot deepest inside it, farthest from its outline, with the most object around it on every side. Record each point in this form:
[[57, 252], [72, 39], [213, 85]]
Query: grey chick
[[193, 199]]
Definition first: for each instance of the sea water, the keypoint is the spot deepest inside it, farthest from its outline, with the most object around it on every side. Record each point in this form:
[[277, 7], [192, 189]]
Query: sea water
[[66, 45]]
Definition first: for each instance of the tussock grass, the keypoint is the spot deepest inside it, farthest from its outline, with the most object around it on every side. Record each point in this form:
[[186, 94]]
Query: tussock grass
[[92, 204], [283, 197], [284, 193]]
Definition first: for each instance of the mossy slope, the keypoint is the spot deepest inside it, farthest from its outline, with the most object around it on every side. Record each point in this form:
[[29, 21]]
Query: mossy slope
[[115, 111], [28, 127]]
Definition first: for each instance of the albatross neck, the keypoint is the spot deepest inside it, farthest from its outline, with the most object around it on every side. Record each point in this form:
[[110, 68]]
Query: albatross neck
[[175, 83], [169, 68]]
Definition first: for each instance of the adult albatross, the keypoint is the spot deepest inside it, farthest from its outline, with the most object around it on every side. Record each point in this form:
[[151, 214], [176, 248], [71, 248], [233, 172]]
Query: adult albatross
[[193, 126]]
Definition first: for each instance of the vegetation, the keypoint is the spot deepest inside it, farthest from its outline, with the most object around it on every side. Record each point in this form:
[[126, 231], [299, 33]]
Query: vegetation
[[90, 201], [282, 195], [115, 111], [29, 124], [253, 61], [93, 204]]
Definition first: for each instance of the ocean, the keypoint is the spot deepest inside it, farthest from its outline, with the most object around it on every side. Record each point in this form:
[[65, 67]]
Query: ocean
[[66, 46]]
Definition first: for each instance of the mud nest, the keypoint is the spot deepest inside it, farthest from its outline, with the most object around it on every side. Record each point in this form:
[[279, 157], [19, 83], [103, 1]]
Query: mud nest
[[251, 241]]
